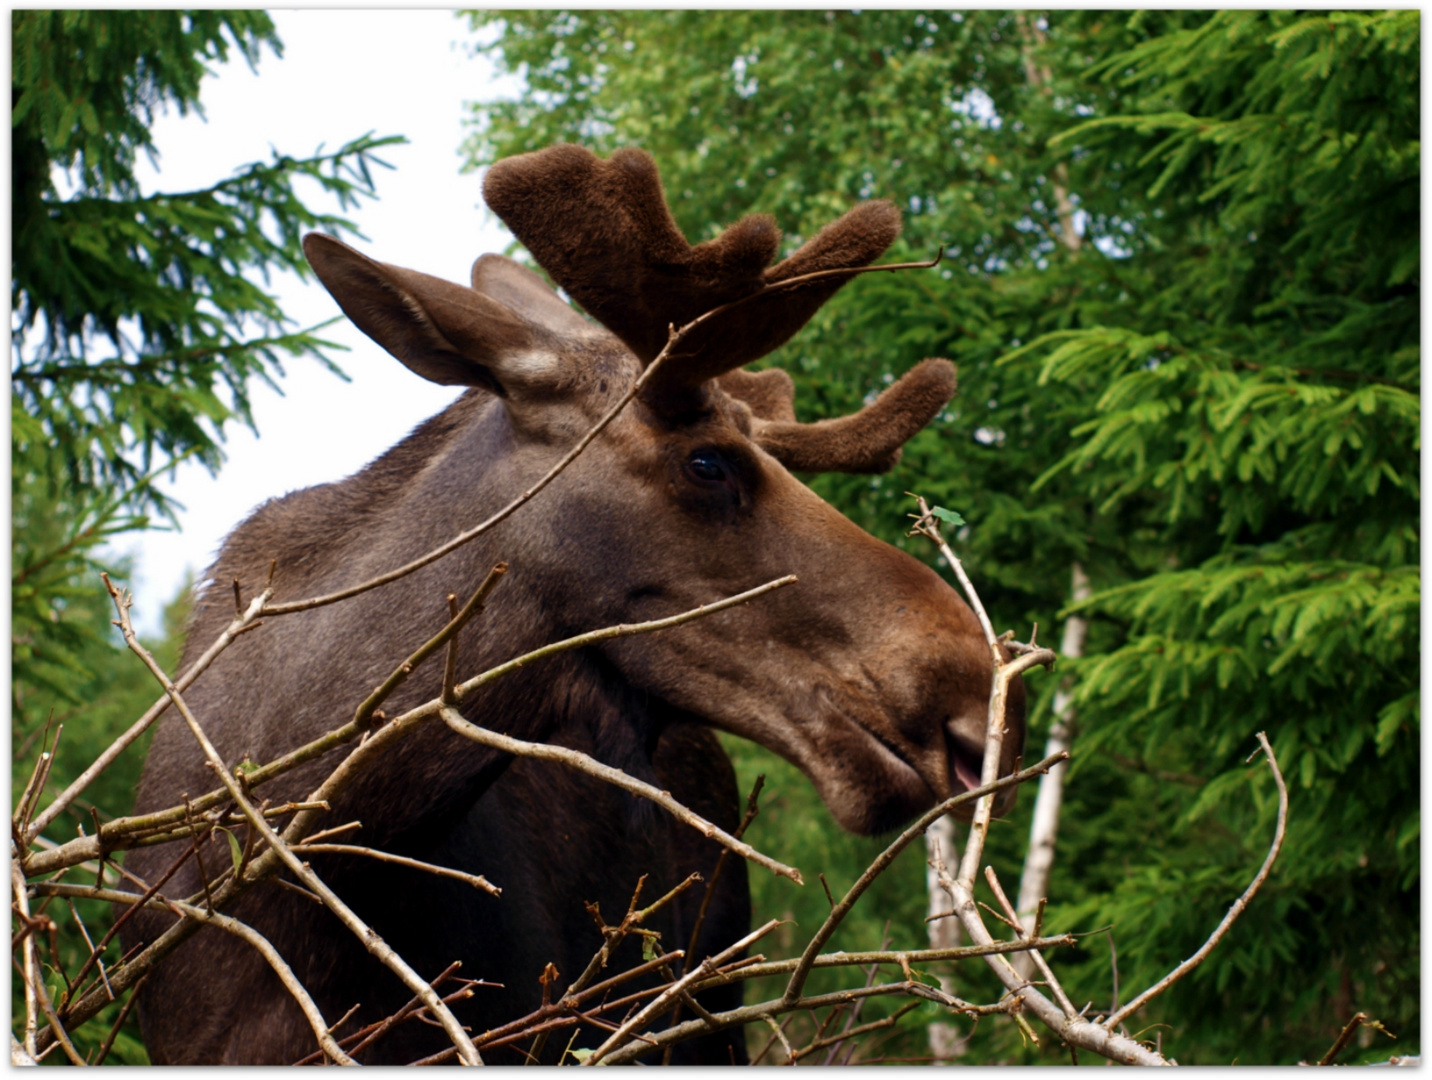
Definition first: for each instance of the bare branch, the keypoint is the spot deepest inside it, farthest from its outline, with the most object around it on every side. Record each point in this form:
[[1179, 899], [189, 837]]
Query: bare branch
[[1238, 905], [778, 1032], [620, 630], [371, 941], [477, 881], [886, 857], [667, 996], [925, 526], [1076, 1030], [119, 1020], [285, 975], [41, 773], [134, 901], [30, 969], [57, 1028], [592, 767], [1346, 1036], [1013, 917], [197, 668], [362, 716], [886, 956]]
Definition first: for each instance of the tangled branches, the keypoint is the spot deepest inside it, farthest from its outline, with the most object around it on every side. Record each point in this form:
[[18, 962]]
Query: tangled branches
[[642, 1011]]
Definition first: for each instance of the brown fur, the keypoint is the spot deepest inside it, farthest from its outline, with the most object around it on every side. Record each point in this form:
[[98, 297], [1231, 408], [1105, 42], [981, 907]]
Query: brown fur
[[871, 674]]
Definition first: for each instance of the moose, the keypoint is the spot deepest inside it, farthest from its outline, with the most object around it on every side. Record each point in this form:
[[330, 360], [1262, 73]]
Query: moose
[[870, 674]]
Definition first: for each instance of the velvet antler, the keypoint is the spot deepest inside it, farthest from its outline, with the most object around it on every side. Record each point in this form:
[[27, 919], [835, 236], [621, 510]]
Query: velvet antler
[[868, 441], [603, 231]]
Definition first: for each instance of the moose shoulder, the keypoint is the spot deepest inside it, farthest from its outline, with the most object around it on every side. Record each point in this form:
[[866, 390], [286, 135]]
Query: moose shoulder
[[870, 674]]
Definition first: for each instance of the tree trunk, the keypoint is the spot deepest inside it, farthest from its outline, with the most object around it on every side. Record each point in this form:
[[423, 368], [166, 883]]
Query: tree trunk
[[1039, 861], [946, 1042]]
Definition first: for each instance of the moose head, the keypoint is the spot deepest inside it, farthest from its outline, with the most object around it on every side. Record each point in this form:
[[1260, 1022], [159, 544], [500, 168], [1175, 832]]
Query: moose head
[[871, 674]]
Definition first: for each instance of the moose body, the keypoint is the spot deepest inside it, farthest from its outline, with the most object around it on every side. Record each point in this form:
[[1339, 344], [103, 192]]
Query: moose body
[[870, 673]]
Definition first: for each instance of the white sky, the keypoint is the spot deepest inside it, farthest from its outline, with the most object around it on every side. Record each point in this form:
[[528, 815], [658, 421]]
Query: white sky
[[343, 73]]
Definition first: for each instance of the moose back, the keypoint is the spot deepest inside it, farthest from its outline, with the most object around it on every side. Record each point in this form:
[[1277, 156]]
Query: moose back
[[870, 674]]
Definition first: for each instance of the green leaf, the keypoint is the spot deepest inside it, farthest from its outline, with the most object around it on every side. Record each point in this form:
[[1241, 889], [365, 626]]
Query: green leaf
[[949, 517], [236, 851]]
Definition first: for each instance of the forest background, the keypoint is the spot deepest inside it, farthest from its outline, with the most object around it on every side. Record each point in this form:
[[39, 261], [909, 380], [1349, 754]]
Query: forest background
[[1181, 284]]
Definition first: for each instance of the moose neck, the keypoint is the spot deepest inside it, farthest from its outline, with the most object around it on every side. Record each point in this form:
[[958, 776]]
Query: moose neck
[[451, 473]]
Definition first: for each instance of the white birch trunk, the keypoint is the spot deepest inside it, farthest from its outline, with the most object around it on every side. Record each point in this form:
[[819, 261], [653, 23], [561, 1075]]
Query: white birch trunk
[[1039, 860], [946, 1042]]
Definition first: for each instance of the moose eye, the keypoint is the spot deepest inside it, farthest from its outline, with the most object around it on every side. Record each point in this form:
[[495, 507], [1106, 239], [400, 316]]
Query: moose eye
[[707, 467]]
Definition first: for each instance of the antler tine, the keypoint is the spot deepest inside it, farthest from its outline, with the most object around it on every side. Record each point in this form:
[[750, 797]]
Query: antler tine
[[868, 441]]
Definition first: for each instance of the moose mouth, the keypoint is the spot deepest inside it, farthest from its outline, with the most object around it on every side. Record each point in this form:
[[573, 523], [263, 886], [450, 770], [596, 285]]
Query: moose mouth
[[966, 773], [966, 758], [964, 761]]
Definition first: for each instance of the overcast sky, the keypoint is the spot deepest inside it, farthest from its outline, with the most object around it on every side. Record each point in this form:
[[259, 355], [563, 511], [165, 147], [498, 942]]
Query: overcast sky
[[343, 73]]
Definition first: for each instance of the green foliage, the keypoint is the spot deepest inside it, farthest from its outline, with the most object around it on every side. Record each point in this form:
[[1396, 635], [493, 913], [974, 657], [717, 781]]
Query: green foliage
[[1181, 284], [135, 313]]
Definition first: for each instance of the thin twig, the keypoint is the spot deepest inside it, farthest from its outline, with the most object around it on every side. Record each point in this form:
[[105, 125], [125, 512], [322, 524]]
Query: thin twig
[[753, 808], [124, 1012], [47, 1006], [1238, 905], [1013, 917], [1343, 1039], [748, 1014], [886, 857], [197, 668], [778, 1032], [84, 933], [925, 526], [134, 901], [25, 806], [477, 881], [30, 970], [863, 1029], [591, 766], [619, 630], [363, 714], [767, 968], [285, 975], [371, 941], [654, 1009]]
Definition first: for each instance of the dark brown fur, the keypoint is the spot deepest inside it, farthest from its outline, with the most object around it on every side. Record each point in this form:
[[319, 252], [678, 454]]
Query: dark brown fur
[[871, 674]]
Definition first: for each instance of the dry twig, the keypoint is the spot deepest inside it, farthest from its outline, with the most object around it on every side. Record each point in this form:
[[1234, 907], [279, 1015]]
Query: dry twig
[[574, 759], [1238, 905], [371, 941]]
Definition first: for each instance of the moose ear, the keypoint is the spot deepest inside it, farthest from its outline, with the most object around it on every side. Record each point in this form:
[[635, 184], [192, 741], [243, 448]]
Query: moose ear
[[446, 333], [509, 282]]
